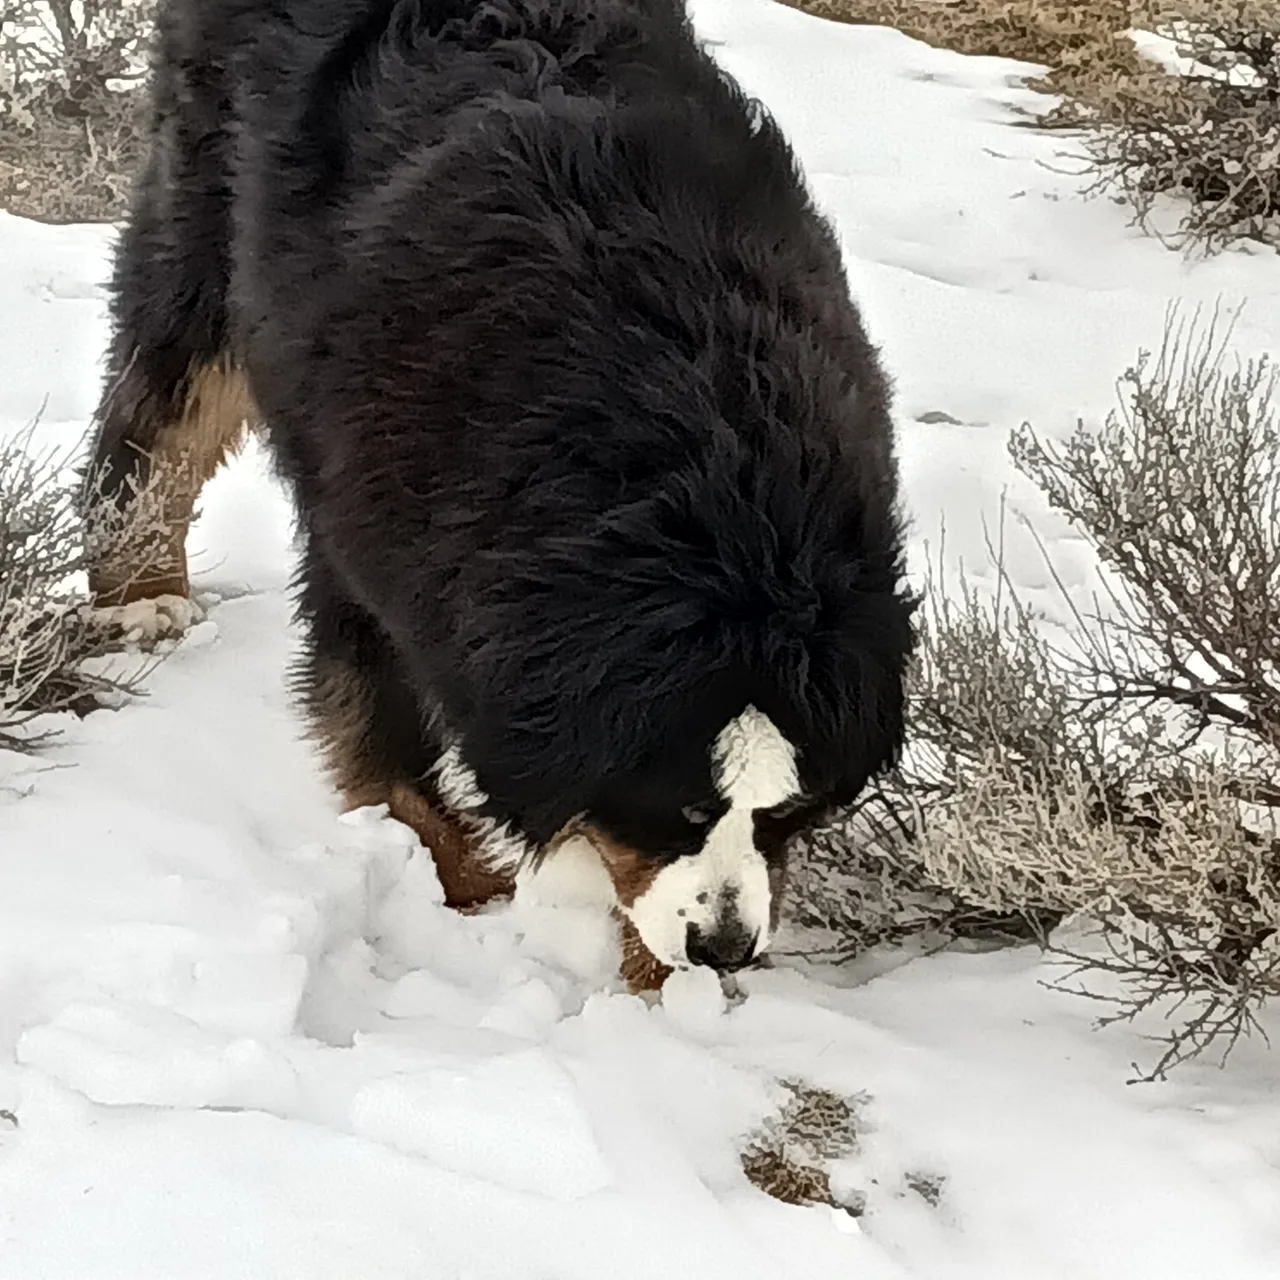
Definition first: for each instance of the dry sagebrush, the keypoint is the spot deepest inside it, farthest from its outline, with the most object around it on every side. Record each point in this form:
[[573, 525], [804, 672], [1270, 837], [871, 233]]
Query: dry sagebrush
[[49, 636], [1073, 39], [71, 105], [1179, 493], [1127, 780], [1208, 136], [982, 680]]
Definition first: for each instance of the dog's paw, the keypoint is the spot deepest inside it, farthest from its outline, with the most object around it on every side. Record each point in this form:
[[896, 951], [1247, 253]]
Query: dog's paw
[[146, 623]]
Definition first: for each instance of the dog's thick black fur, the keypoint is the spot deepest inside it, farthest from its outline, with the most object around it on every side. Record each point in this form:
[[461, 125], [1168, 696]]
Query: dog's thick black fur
[[588, 445]]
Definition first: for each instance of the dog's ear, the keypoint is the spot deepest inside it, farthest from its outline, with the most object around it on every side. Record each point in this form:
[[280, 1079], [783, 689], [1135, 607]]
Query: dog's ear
[[841, 690]]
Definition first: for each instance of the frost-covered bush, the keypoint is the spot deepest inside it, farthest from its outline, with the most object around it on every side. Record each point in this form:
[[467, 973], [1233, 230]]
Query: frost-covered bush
[[71, 105], [48, 635], [1208, 134], [1132, 779]]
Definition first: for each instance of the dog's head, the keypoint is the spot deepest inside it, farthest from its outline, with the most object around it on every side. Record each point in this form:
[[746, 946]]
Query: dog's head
[[697, 677], [692, 775], [695, 835], [695, 839]]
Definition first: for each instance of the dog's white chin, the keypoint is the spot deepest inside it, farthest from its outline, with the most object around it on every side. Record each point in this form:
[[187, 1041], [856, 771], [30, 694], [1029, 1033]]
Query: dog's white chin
[[723, 886]]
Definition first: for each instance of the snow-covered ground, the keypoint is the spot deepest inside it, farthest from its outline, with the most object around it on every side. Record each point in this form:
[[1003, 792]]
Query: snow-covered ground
[[240, 1038]]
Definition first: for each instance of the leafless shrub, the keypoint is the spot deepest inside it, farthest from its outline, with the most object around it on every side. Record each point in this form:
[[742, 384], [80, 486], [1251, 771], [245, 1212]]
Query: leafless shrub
[[64, 55], [856, 883], [1209, 136], [1126, 779], [71, 105], [982, 682], [49, 636], [1180, 495], [1051, 32]]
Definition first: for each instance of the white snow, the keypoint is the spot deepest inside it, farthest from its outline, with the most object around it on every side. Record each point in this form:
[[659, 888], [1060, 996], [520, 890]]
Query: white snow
[[240, 1035], [513, 1119]]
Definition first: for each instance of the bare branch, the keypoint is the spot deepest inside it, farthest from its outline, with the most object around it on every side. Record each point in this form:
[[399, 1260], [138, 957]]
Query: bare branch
[[1128, 778]]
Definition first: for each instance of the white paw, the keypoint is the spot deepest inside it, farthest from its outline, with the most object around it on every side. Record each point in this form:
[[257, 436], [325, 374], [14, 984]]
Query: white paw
[[148, 622]]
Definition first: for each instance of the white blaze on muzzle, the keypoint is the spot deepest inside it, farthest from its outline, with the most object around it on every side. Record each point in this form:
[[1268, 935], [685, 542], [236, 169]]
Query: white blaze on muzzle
[[714, 906]]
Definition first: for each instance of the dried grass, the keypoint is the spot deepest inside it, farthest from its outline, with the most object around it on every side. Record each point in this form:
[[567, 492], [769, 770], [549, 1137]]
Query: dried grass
[[1209, 138], [790, 1156]]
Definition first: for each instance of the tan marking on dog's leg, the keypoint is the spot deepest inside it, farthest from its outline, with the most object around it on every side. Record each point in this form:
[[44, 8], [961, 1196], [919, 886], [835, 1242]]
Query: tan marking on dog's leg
[[340, 708], [208, 425], [467, 880], [339, 705], [641, 970], [631, 874]]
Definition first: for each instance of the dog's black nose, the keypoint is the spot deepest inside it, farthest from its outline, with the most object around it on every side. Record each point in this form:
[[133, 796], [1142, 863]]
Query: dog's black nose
[[726, 948]]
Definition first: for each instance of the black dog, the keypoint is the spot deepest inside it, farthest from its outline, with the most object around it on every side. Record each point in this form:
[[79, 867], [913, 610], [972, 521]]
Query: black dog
[[601, 555]]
